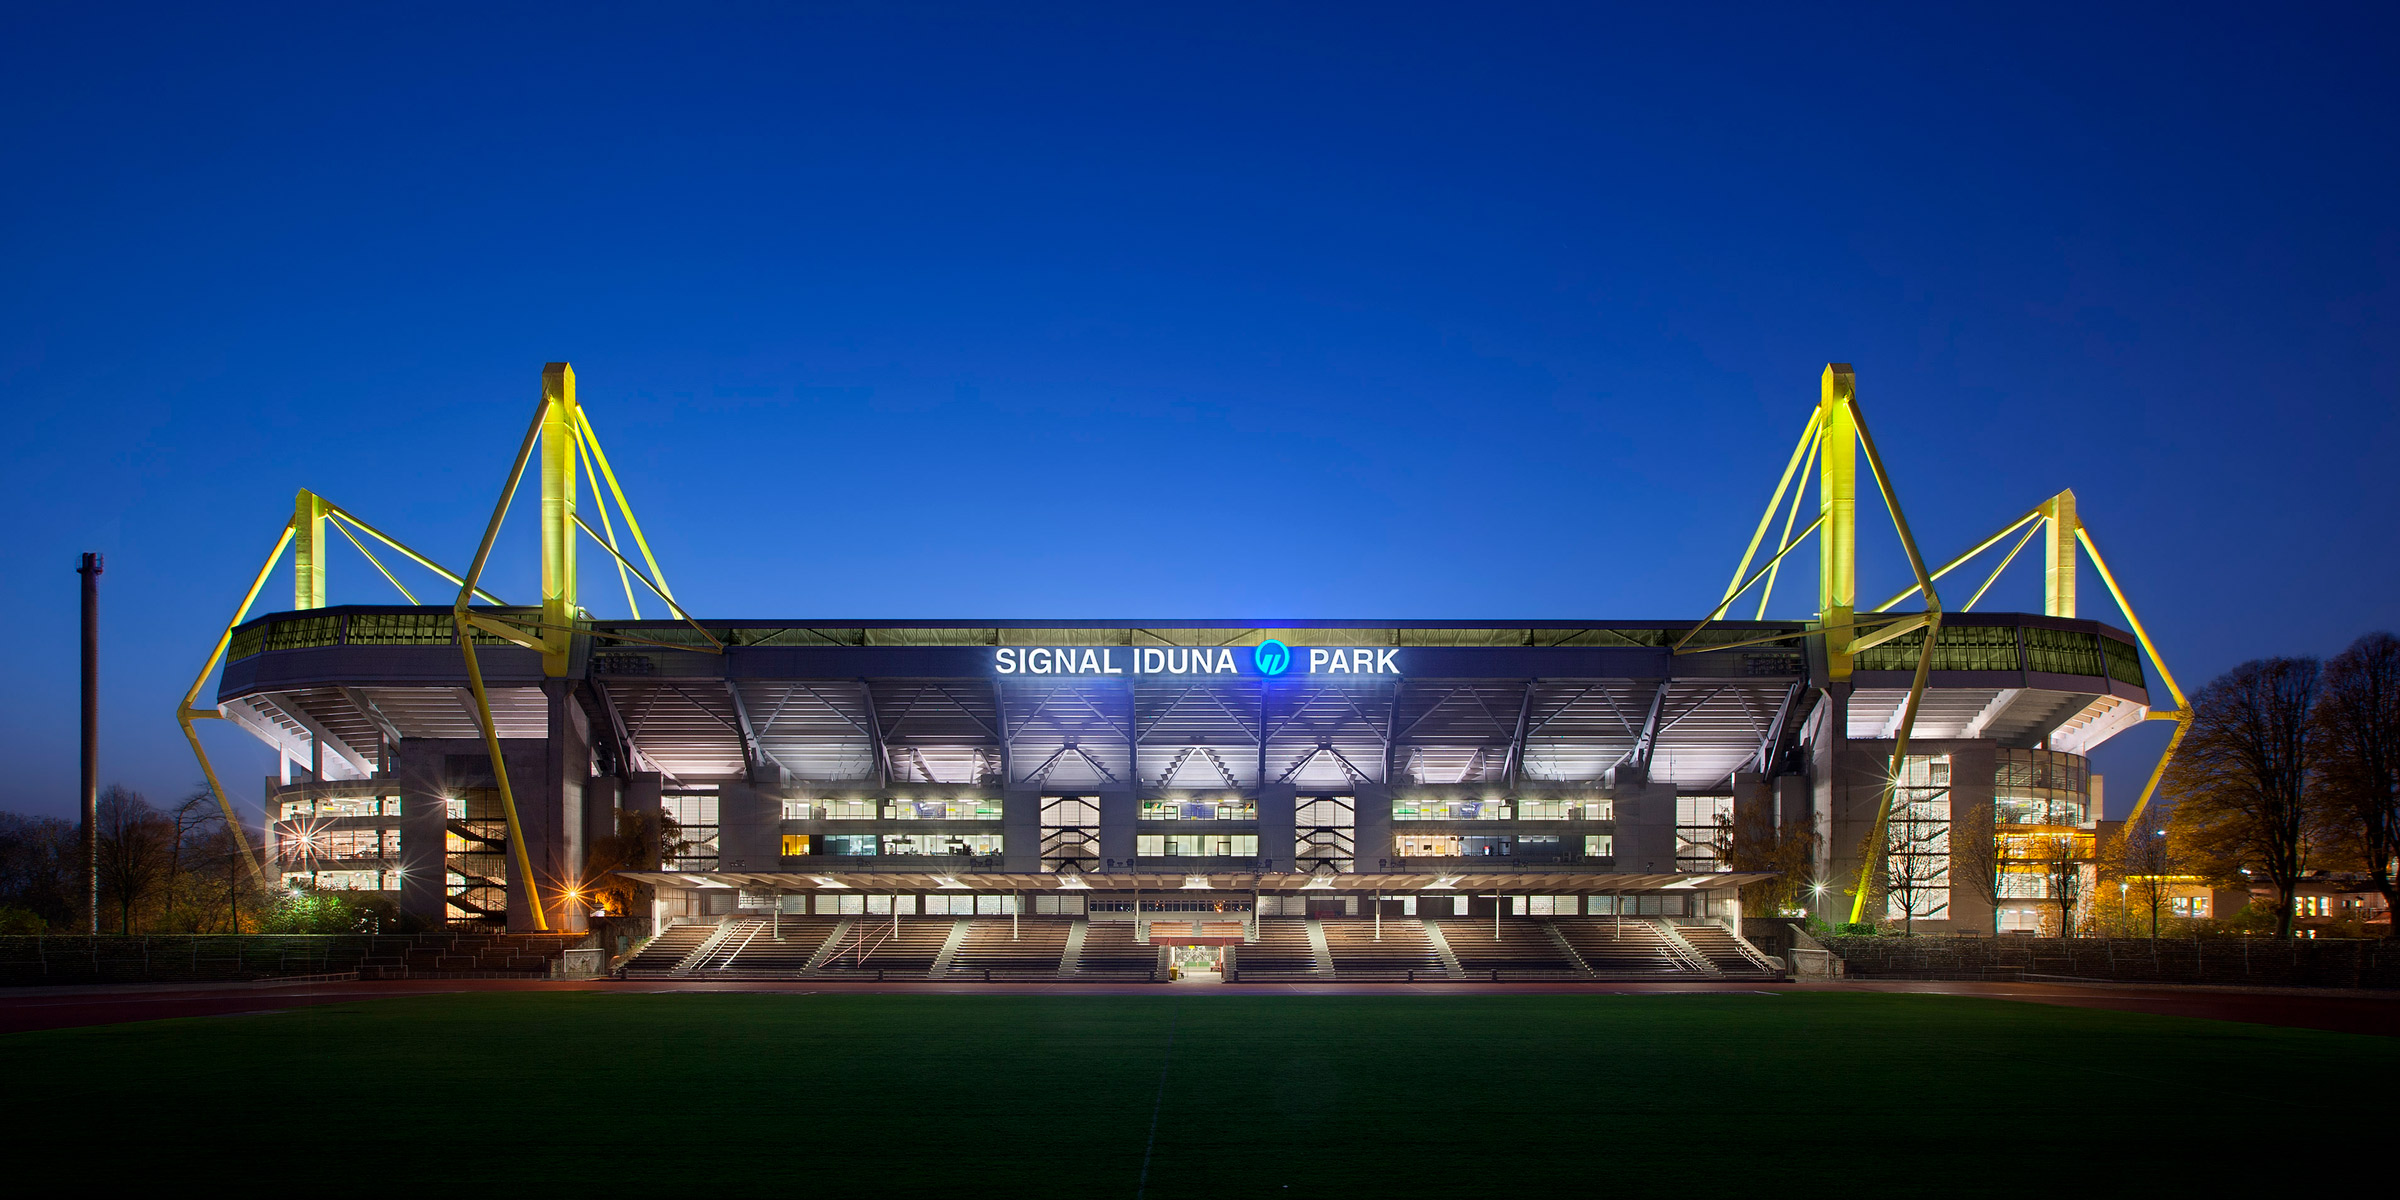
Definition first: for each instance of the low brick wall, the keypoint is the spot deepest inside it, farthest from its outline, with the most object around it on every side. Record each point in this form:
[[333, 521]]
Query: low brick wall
[[2252, 961], [179, 958]]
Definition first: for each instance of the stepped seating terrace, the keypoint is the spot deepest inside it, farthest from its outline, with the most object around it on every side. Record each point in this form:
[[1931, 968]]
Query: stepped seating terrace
[[669, 948], [1403, 949], [738, 935], [1716, 944], [1019, 948], [1632, 947], [873, 945], [757, 950], [1523, 945], [1282, 951], [1109, 948]]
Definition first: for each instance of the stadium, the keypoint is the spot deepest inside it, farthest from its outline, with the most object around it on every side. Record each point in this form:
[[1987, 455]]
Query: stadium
[[1134, 800]]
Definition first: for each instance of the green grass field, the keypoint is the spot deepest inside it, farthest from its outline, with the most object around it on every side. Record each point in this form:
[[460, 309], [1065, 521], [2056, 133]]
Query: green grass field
[[847, 1095]]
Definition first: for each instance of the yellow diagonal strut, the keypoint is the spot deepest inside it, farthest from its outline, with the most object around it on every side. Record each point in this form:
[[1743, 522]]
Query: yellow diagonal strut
[[2182, 716], [1916, 688], [186, 713], [467, 623]]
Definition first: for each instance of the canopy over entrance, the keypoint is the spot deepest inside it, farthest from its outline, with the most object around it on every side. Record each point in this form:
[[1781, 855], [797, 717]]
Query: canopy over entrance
[[1513, 883]]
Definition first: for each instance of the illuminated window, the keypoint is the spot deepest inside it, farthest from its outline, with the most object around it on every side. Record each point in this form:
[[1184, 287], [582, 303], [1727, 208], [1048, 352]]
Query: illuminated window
[[1917, 841], [1196, 845], [945, 810], [1702, 825], [1070, 832], [1434, 808], [956, 845], [1230, 808], [1324, 833], [2040, 787]]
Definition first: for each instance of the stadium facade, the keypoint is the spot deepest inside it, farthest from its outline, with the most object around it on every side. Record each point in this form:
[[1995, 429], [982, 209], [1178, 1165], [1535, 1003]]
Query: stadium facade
[[895, 787]]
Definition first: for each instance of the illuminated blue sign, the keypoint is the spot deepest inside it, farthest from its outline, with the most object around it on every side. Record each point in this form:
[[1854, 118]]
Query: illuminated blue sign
[[1269, 658], [1272, 657]]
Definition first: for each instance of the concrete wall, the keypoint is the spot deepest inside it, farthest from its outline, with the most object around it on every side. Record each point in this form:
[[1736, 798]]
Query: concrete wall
[[554, 830], [1021, 828], [1275, 831], [1374, 815], [2250, 961], [1858, 794], [749, 827], [1119, 809], [429, 771], [1645, 824]]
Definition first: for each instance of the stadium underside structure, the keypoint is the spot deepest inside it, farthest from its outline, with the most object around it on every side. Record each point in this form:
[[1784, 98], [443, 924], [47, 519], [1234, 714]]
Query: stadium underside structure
[[505, 765]]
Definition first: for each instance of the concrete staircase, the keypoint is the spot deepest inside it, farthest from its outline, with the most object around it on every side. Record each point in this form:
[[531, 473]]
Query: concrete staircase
[[957, 938], [1072, 960], [1441, 946]]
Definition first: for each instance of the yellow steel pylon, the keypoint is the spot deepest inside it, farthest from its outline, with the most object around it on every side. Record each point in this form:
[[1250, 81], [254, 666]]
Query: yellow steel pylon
[[305, 532], [562, 433], [1826, 448], [563, 437], [1832, 441], [2060, 522]]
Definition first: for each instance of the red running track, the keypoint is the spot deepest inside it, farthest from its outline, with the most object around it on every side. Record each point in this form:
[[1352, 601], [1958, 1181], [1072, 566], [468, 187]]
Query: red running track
[[58, 1008]]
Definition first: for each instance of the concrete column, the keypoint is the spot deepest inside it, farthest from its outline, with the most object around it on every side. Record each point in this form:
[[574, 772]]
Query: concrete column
[[1645, 824], [567, 765], [1971, 769], [1792, 807], [1374, 832], [540, 814], [1829, 735], [600, 798], [749, 828], [645, 791], [1118, 812], [420, 767], [1753, 814], [1275, 831], [1021, 828]]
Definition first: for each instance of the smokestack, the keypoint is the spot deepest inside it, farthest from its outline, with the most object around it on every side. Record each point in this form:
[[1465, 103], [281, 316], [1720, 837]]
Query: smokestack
[[90, 570]]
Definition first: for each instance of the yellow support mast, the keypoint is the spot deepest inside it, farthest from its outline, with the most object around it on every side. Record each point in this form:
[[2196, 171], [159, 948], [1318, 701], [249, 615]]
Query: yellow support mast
[[2062, 527], [1829, 448], [189, 710], [1837, 512], [2060, 522], [468, 622], [561, 421], [308, 551]]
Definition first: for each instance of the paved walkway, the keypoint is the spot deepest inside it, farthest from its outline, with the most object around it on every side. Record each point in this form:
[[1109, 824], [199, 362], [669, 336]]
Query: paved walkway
[[58, 1008]]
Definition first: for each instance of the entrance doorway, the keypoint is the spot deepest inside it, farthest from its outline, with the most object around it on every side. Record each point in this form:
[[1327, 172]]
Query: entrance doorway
[[1205, 962]]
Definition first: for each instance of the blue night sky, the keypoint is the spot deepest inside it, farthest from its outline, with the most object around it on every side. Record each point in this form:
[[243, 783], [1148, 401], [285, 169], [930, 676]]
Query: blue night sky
[[1226, 312]]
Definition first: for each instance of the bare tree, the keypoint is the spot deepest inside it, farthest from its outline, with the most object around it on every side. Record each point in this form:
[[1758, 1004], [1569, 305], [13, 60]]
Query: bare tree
[[2243, 780], [1786, 855], [643, 841], [212, 874], [1977, 856], [2358, 724], [1915, 870], [2146, 857], [2062, 876], [136, 850], [38, 868]]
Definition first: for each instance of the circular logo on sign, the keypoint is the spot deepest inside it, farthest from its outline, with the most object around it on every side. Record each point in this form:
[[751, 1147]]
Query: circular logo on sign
[[1272, 657]]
